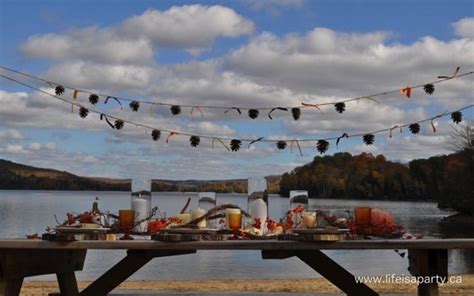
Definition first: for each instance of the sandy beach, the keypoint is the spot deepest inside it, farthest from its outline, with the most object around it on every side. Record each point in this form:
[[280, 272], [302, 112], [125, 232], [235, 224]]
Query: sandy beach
[[289, 285]]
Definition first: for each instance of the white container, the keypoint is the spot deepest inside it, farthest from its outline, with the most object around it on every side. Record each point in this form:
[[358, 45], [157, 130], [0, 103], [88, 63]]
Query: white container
[[141, 202], [197, 213]]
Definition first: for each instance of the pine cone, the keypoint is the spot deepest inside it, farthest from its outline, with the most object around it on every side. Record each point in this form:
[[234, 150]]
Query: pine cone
[[155, 134], [456, 116], [235, 145], [414, 128], [134, 105], [429, 88], [369, 139], [93, 99], [83, 112], [59, 90], [340, 107], [194, 141], [118, 124], [322, 146], [281, 145], [296, 112], [175, 110], [253, 113]]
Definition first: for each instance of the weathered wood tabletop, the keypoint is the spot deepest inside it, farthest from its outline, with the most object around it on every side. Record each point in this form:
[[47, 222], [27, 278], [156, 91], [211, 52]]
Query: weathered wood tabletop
[[387, 244], [22, 258]]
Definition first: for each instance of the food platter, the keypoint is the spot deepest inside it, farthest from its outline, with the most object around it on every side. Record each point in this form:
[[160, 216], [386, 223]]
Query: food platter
[[76, 229]]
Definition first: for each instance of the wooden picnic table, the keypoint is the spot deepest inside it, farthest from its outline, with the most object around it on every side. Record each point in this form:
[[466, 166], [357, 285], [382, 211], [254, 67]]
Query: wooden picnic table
[[23, 258]]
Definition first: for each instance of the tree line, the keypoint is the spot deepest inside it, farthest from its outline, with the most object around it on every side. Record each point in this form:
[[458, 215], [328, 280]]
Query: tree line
[[447, 179]]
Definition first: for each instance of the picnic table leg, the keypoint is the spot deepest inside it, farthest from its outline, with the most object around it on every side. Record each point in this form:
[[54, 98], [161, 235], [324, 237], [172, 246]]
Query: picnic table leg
[[429, 263], [10, 287], [328, 268], [68, 283], [134, 260]]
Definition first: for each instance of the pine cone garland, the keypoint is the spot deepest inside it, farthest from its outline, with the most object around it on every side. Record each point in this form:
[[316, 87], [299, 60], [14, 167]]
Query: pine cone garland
[[118, 124], [134, 105], [368, 139], [235, 145], [155, 134], [456, 116], [340, 107], [93, 99], [322, 146], [429, 88], [83, 112], [194, 141], [414, 128], [175, 110], [59, 90], [281, 145], [296, 112], [253, 113]]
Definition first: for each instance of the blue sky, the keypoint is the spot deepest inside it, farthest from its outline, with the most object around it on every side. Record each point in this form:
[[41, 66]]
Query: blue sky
[[249, 52]]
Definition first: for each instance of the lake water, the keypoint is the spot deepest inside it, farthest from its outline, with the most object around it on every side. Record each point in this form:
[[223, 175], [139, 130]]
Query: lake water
[[26, 212]]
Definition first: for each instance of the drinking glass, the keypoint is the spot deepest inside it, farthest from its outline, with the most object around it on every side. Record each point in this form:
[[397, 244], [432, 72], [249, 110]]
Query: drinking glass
[[126, 220], [233, 219]]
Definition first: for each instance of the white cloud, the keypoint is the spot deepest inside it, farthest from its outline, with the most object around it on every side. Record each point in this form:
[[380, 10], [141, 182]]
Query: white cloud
[[191, 27], [10, 134], [14, 149], [104, 46], [464, 27]]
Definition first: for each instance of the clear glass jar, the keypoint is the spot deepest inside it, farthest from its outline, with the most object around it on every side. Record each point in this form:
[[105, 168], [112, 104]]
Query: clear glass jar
[[257, 202], [207, 201], [298, 198], [141, 202]]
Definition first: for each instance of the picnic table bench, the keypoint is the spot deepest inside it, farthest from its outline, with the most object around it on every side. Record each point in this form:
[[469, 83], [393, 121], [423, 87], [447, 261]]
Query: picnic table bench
[[23, 258]]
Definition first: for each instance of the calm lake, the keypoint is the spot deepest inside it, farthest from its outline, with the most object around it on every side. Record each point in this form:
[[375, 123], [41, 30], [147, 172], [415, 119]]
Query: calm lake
[[26, 212]]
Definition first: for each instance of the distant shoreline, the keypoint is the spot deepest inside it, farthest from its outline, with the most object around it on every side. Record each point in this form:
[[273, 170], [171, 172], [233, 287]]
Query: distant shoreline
[[235, 193]]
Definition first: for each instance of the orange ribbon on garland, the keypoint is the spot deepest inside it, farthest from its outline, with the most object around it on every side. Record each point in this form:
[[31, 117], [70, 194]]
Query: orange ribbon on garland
[[170, 135]]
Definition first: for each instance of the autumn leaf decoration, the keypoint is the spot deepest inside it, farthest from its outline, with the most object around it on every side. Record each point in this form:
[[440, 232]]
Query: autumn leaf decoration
[[322, 146], [281, 145], [134, 105], [368, 139], [113, 98], [456, 116], [296, 112], [414, 128], [59, 90], [194, 141], [276, 108], [175, 110], [93, 99], [103, 116], [340, 107], [429, 88], [235, 145], [83, 112], [253, 113], [118, 124]]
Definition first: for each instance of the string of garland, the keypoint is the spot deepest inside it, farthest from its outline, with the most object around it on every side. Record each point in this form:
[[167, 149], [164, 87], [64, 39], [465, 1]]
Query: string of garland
[[322, 144], [253, 113]]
